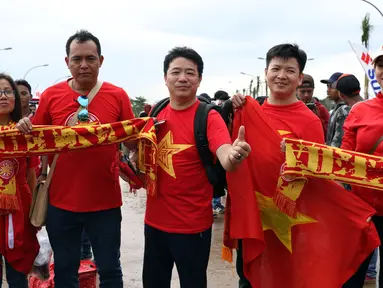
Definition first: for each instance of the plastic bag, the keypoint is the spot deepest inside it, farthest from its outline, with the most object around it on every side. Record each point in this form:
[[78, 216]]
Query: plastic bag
[[43, 259]]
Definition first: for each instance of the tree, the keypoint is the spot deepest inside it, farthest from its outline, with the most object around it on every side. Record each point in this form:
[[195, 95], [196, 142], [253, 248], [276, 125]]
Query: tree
[[138, 105], [366, 33]]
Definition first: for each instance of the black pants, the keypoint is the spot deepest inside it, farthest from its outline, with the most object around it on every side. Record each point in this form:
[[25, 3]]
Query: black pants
[[243, 282], [104, 231], [357, 280], [190, 253]]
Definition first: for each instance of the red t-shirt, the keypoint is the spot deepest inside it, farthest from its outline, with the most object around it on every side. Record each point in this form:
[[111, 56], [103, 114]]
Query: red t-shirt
[[362, 129], [183, 200], [85, 180], [295, 121]]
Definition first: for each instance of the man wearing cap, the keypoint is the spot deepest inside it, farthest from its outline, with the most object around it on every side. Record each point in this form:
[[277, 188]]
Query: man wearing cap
[[338, 114], [305, 93], [348, 87], [331, 92]]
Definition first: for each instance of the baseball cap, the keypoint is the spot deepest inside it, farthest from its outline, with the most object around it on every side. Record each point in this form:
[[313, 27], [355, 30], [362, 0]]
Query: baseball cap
[[307, 82], [348, 85], [378, 54], [332, 78]]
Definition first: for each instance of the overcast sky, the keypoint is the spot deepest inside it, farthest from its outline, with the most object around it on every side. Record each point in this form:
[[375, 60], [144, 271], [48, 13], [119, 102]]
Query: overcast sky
[[136, 35]]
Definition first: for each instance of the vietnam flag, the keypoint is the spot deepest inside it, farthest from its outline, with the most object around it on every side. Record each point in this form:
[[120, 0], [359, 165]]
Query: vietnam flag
[[321, 245]]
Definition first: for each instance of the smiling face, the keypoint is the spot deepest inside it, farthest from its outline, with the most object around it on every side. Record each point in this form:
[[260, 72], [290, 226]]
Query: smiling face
[[84, 62], [7, 97], [182, 79], [283, 77]]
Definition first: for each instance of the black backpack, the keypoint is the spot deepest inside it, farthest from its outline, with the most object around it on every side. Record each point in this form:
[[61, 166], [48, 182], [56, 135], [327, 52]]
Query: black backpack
[[214, 170]]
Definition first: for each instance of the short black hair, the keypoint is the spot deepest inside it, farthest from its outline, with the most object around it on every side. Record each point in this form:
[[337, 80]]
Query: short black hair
[[25, 83], [81, 37], [221, 95], [286, 51], [16, 114], [184, 52]]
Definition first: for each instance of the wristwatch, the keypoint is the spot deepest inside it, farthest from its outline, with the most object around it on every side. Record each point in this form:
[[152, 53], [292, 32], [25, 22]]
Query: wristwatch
[[44, 174]]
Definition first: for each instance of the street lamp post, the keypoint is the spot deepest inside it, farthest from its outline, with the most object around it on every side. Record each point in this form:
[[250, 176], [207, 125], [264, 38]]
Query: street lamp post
[[34, 67], [6, 49], [380, 12], [64, 77]]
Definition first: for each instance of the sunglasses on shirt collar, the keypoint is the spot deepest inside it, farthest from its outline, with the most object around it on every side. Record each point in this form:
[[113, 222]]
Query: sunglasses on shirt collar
[[83, 115]]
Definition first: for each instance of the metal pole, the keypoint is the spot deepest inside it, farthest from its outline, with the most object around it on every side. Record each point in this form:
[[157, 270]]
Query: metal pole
[[57, 80], [380, 12], [34, 67]]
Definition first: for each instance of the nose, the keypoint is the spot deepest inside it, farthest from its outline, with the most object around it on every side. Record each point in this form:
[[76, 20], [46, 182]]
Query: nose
[[182, 77], [83, 64], [282, 74]]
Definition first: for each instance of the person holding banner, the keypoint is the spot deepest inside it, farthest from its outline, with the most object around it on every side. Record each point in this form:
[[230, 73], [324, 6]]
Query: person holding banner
[[363, 132], [85, 192], [18, 240]]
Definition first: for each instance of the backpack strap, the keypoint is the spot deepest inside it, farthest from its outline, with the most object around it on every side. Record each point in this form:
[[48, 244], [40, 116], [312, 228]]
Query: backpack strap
[[158, 107], [202, 143]]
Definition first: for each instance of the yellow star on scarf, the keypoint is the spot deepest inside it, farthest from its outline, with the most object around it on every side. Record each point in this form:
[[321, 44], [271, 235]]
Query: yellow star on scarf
[[274, 219], [166, 150]]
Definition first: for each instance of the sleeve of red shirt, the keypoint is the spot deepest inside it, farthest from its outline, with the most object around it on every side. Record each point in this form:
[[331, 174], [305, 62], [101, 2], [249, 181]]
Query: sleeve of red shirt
[[349, 132], [313, 132], [126, 107], [217, 132], [42, 116]]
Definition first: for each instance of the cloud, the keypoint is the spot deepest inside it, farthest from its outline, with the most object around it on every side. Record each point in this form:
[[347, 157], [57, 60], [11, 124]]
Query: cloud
[[136, 35]]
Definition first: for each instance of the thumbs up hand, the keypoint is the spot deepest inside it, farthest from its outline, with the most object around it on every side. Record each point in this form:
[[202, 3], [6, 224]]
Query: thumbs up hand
[[240, 148]]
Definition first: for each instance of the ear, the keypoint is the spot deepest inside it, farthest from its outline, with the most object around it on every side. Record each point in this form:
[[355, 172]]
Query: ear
[[101, 60], [166, 80], [300, 79], [200, 80], [67, 61], [265, 72]]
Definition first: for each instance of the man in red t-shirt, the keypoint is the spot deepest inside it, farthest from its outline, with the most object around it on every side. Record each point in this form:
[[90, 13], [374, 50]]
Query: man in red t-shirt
[[84, 193], [291, 117], [179, 218]]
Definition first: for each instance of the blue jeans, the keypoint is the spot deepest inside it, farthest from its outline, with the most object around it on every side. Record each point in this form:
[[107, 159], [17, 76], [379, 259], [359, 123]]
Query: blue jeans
[[216, 201], [371, 271], [104, 230], [15, 278], [86, 247]]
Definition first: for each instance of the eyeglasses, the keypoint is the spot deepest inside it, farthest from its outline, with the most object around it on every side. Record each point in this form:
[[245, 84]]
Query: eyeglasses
[[7, 93], [83, 115]]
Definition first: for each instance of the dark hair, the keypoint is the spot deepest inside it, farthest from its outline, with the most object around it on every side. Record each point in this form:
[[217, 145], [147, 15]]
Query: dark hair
[[25, 83], [16, 114], [286, 51], [221, 95], [81, 37], [205, 97], [184, 52]]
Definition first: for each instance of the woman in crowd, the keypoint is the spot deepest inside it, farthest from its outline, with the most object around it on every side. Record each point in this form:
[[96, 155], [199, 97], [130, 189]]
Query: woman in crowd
[[363, 132], [18, 241]]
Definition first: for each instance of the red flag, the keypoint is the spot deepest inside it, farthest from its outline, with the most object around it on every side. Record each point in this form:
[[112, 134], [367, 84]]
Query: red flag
[[321, 245]]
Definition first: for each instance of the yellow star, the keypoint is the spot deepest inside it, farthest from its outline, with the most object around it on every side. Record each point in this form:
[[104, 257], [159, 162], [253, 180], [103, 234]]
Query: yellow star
[[274, 219], [166, 150]]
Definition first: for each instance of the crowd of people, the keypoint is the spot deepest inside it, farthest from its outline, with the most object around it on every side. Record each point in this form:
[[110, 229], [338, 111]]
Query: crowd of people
[[85, 211]]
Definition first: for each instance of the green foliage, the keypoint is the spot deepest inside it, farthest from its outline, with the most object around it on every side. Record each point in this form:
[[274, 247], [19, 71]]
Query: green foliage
[[138, 105]]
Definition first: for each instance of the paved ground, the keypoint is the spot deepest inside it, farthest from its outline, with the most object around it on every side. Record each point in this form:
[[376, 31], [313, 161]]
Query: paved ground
[[220, 274]]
